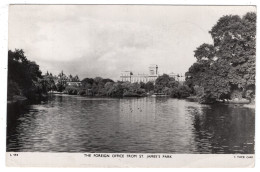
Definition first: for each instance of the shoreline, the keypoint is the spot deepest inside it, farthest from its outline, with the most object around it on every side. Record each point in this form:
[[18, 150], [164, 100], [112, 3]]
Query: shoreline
[[21, 100], [251, 106], [244, 102]]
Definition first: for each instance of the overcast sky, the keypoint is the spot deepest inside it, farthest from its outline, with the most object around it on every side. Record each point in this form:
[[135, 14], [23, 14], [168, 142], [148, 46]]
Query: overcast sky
[[98, 40]]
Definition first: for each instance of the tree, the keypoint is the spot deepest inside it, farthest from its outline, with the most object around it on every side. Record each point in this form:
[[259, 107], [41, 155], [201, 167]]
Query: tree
[[60, 86], [164, 81], [132, 89], [23, 75], [75, 79], [115, 90], [48, 81], [149, 86], [229, 64], [142, 85], [205, 52], [234, 37], [107, 80], [70, 77], [87, 82]]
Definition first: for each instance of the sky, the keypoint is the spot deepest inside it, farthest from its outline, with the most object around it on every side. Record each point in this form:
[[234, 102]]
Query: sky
[[104, 40]]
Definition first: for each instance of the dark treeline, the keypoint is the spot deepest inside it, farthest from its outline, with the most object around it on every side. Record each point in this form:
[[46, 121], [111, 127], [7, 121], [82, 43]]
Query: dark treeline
[[225, 69], [26, 80], [24, 77], [106, 87]]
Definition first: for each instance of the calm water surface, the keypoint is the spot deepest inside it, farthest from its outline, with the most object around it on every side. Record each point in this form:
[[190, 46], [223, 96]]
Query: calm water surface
[[137, 125]]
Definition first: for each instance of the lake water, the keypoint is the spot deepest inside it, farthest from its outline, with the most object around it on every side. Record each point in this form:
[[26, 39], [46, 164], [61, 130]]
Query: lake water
[[131, 125]]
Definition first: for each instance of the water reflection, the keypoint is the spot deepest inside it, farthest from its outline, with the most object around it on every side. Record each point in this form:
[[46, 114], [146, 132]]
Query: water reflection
[[144, 125], [225, 128]]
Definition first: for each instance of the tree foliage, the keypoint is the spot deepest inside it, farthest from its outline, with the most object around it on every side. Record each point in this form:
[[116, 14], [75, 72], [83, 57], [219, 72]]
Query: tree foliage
[[164, 83], [228, 64], [24, 76], [169, 86]]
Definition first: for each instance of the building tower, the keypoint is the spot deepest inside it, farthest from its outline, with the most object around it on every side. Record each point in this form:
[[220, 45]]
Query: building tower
[[153, 70]]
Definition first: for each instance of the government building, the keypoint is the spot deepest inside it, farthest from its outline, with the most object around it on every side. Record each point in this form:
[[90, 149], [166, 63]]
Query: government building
[[128, 76]]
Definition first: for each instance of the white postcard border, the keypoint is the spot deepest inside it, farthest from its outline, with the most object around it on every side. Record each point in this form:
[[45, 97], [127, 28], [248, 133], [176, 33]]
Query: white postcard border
[[154, 160], [36, 156]]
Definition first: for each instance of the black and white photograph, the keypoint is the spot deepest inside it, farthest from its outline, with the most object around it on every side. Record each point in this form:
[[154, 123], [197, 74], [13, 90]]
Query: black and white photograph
[[157, 80]]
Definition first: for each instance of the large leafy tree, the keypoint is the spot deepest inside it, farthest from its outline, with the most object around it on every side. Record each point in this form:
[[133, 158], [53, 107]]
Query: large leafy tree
[[24, 76], [48, 82], [164, 82], [228, 64], [149, 86]]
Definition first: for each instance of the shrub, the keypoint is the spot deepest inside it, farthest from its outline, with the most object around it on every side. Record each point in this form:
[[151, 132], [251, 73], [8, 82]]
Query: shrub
[[82, 92], [72, 90], [181, 91]]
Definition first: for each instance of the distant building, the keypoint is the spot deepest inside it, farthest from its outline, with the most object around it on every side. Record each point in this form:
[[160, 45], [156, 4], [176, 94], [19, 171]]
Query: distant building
[[67, 80], [128, 76], [74, 83]]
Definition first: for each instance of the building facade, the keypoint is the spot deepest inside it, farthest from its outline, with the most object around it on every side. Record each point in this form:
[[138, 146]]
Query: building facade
[[67, 80], [128, 76]]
